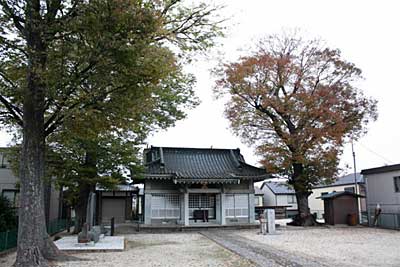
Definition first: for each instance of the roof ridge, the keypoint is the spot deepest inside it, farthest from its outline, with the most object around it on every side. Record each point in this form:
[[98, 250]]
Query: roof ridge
[[195, 148]]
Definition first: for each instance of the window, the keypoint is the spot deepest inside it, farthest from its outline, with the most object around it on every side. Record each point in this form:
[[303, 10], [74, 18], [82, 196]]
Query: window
[[236, 205], [291, 199], [3, 161], [258, 201], [12, 195], [202, 202], [349, 189], [396, 183], [165, 206]]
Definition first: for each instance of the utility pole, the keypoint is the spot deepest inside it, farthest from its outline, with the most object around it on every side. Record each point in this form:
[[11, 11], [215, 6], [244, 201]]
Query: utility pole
[[355, 182], [354, 167]]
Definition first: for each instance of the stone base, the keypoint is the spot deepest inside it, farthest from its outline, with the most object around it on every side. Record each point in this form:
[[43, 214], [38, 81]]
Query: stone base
[[108, 243]]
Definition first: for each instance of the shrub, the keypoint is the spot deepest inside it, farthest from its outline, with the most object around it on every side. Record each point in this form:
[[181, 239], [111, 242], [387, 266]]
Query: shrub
[[8, 218]]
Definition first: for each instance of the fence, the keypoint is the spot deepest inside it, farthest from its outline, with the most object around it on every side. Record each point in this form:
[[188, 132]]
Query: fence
[[9, 238], [57, 226], [386, 220], [319, 214]]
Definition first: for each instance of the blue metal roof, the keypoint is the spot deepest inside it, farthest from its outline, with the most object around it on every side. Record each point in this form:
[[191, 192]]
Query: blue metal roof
[[338, 194], [343, 180], [279, 188]]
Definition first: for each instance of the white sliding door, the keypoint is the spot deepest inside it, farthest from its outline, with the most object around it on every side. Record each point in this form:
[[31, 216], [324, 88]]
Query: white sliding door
[[236, 205]]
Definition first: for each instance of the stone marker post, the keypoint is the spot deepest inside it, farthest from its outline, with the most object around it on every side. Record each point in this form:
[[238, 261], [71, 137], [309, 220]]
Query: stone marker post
[[271, 221], [263, 224], [90, 211]]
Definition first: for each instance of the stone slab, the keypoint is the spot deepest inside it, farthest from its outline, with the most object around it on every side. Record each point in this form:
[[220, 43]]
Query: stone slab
[[108, 243]]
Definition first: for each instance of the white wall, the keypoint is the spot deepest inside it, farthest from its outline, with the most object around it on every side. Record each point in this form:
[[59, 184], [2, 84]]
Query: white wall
[[7, 179], [317, 205], [269, 197], [380, 189], [282, 200]]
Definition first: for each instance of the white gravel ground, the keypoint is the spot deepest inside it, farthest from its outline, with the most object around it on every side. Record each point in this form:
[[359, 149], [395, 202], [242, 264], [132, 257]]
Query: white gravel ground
[[166, 250], [336, 246]]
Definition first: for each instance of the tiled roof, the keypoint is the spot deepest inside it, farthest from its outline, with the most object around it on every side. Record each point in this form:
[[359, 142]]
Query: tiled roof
[[118, 188], [200, 164], [343, 180], [279, 188]]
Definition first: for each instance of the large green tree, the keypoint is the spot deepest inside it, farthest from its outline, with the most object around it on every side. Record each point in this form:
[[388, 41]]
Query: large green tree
[[63, 59], [297, 102]]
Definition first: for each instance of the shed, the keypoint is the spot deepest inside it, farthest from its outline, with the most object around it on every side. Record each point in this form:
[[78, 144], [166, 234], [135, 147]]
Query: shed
[[116, 203], [341, 207]]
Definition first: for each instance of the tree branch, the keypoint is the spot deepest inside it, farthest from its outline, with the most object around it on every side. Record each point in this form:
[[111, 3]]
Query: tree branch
[[17, 20], [12, 110]]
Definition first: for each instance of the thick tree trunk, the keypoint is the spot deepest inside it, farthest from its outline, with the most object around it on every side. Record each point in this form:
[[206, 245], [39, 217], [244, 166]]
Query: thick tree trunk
[[32, 234], [304, 217], [81, 207], [34, 244]]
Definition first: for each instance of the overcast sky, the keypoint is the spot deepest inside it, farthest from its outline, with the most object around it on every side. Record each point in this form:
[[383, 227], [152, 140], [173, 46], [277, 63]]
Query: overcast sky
[[367, 33]]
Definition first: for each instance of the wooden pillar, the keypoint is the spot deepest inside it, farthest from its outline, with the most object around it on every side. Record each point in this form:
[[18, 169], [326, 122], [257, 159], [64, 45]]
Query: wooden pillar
[[251, 208], [186, 207], [222, 206]]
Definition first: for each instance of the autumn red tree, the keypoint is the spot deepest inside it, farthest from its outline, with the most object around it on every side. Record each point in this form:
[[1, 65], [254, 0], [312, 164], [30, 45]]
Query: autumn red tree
[[296, 101]]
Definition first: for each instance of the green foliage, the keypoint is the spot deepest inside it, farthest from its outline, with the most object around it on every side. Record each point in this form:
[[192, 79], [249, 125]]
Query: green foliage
[[104, 161], [8, 219], [88, 70], [107, 54], [113, 71]]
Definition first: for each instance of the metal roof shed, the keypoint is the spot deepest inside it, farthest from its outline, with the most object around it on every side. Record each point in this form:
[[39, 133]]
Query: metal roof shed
[[341, 208]]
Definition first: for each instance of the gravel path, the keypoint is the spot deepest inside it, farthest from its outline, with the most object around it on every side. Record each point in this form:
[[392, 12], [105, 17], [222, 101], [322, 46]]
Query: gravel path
[[261, 254]]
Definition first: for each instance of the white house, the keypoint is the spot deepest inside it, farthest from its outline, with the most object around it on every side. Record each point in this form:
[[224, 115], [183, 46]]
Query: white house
[[383, 188], [343, 183], [280, 194], [258, 197]]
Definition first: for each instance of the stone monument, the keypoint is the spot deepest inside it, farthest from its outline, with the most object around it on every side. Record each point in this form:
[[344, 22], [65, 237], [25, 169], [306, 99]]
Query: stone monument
[[263, 224], [270, 221], [89, 233]]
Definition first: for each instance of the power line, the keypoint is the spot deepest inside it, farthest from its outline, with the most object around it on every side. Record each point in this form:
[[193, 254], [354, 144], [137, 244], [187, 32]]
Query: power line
[[376, 154]]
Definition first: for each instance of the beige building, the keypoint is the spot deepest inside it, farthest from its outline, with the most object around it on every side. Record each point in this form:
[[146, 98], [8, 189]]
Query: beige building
[[344, 183], [8, 181], [9, 187]]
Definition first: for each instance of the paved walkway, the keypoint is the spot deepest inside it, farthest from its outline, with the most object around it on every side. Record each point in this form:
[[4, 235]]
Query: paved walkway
[[261, 254]]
